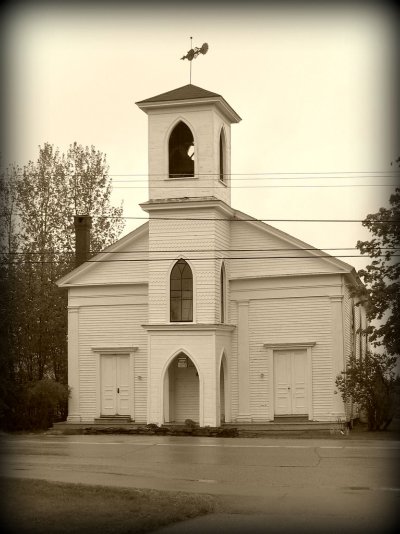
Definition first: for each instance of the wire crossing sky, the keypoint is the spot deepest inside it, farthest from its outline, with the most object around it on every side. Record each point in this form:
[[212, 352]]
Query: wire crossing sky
[[315, 87]]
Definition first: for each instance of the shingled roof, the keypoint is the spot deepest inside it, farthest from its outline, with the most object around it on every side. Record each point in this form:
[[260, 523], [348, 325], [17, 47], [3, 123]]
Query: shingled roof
[[192, 93], [187, 92]]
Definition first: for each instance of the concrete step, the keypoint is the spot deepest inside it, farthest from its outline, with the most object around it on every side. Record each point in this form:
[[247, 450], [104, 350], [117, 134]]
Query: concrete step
[[113, 420], [291, 419]]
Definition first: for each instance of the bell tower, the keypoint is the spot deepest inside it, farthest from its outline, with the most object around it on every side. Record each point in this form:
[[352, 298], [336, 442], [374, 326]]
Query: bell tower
[[189, 144], [189, 229]]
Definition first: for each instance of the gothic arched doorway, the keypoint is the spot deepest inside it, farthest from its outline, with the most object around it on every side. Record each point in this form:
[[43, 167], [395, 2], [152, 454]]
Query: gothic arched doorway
[[181, 391]]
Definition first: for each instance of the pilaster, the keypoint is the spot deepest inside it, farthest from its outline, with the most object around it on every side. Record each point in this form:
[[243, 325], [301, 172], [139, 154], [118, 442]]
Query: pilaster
[[338, 363], [243, 362], [73, 365]]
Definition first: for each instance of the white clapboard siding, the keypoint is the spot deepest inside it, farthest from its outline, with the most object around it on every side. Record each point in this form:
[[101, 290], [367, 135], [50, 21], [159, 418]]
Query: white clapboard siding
[[288, 320], [179, 238], [245, 236], [205, 124], [347, 320], [120, 267], [259, 390], [110, 326], [234, 400], [222, 244], [350, 341]]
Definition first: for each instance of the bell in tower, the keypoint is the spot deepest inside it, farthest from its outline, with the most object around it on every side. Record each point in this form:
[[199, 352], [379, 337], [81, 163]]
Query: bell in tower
[[181, 152]]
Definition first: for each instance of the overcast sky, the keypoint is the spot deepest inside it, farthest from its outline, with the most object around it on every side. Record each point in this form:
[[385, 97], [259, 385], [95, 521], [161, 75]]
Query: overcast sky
[[315, 90]]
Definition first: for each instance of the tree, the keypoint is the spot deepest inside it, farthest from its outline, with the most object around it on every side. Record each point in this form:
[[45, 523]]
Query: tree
[[382, 276], [38, 248], [8, 244], [369, 382], [52, 190]]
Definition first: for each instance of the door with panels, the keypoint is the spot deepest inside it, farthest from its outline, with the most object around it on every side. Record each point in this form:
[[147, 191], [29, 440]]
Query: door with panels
[[115, 388], [290, 382]]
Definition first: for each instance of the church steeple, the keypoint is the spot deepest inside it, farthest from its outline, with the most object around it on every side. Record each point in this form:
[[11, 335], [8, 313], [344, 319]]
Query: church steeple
[[189, 144]]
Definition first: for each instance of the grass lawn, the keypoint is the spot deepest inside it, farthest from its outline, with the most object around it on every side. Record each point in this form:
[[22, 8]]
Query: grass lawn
[[38, 506]]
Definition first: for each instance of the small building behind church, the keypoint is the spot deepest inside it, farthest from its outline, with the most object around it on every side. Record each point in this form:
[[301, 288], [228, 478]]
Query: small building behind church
[[204, 312]]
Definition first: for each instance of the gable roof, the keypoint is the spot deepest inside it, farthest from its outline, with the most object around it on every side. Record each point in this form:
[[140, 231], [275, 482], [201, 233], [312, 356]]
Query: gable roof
[[78, 275], [338, 266], [71, 278], [189, 94]]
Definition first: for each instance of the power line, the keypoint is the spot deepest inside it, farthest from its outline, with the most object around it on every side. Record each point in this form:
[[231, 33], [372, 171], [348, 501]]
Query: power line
[[252, 178], [338, 175], [235, 220], [176, 183], [245, 220], [361, 174], [163, 177], [214, 258], [201, 186], [145, 251]]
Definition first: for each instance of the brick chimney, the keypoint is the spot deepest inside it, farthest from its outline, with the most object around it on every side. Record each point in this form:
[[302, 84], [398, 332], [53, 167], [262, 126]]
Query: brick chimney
[[82, 224]]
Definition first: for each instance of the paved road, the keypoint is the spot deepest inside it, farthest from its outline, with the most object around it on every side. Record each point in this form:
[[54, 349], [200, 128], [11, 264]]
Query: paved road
[[293, 483]]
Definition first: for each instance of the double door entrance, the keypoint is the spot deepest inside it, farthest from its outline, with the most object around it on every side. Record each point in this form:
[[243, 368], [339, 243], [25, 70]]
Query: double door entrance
[[290, 382], [115, 388]]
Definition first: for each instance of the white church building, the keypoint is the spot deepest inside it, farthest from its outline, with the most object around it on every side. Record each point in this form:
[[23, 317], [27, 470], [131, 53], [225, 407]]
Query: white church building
[[204, 312]]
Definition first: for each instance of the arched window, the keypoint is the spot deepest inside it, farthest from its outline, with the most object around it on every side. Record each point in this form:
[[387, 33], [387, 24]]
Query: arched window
[[181, 293], [181, 151], [221, 156], [222, 293]]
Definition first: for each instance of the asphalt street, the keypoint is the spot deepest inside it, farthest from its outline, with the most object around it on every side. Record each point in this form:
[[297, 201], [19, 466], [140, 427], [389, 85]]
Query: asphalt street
[[287, 484]]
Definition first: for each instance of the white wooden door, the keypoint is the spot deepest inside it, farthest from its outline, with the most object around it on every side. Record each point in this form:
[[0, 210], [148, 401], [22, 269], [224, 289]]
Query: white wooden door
[[123, 396], [115, 394], [108, 386], [299, 383], [290, 382], [283, 397]]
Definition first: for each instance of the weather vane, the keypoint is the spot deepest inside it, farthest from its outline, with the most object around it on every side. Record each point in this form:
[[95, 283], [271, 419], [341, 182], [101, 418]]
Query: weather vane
[[193, 53]]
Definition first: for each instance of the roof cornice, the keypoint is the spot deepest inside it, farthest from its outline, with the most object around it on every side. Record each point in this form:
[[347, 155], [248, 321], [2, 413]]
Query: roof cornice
[[154, 206], [218, 101], [67, 279]]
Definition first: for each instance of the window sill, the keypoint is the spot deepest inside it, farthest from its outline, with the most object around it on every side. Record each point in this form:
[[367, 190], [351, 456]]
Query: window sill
[[179, 178], [188, 327]]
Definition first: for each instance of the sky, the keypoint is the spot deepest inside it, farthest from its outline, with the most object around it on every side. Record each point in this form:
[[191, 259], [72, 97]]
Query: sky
[[315, 88]]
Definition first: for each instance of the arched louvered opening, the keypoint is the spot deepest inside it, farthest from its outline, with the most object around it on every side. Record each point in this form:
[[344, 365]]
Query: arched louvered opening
[[181, 292], [181, 152]]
